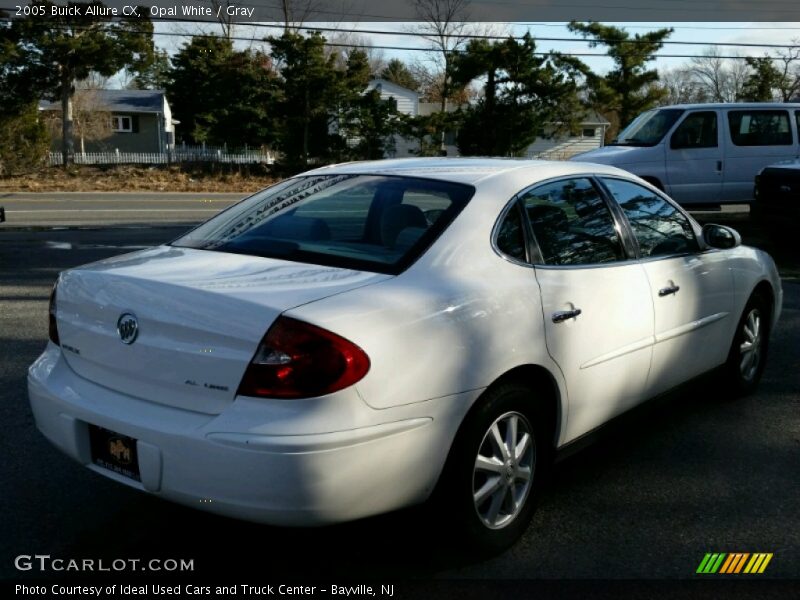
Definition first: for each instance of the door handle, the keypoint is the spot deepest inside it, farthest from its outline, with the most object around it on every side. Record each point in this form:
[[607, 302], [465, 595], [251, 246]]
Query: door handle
[[565, 315], [673, 289], [719, 166]]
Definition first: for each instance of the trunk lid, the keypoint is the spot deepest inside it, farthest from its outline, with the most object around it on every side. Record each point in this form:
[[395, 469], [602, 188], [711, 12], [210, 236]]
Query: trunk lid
[[200, 316]]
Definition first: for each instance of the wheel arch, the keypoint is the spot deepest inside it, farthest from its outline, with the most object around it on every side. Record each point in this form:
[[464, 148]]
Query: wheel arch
[[545, 390], [765, 287], [539, 380]]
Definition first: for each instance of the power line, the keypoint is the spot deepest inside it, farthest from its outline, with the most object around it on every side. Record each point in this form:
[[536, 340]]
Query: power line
[[418, 49]]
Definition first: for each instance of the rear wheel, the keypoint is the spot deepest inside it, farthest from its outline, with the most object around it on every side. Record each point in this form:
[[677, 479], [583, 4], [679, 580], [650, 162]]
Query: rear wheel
[[495, 469], [748, 353]]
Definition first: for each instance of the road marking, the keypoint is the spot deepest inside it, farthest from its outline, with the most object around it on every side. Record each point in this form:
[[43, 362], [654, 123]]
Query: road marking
[[69, 246], [112, 210]]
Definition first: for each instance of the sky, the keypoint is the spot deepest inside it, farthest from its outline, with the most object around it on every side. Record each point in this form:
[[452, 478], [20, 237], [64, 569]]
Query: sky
[[754, 33]]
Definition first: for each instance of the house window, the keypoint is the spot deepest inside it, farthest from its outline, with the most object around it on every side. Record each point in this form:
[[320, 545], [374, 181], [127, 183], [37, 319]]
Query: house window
[[121, 124], [589, 132]]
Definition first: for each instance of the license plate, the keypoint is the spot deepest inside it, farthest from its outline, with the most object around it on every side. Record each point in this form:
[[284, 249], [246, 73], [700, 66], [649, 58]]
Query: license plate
[[114, 451]]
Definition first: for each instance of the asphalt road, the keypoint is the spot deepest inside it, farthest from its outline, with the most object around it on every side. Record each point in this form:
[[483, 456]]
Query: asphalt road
[[92, 209], [692, 474]]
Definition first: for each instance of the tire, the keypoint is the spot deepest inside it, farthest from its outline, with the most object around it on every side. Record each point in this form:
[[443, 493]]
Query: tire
[[748, 353], [489, 504]]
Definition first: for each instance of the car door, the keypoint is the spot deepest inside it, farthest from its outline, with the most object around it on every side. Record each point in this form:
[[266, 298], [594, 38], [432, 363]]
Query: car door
[[692, 290], [598, 315], [755, 138], [694, 159]]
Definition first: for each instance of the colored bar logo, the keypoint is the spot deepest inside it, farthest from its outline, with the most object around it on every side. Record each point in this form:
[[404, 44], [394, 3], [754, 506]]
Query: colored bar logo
[[734, 563]]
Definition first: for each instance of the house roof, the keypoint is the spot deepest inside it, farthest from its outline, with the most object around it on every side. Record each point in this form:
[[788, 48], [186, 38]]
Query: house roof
[[128, 101], [592, 117], [390, 86]]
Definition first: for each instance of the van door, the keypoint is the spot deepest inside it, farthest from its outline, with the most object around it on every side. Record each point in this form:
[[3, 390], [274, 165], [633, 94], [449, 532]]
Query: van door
[[797, 133], [755, 138], [694, 159]]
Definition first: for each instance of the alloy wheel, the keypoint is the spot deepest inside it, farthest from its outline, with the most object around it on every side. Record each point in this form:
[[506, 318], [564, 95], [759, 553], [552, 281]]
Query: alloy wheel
[[751, 345], [503, 473]]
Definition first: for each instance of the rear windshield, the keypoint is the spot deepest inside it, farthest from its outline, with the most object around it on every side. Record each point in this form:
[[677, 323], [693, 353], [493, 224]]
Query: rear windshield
[[366, 222]]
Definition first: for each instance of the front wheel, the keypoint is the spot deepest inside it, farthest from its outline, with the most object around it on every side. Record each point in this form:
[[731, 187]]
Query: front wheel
[[748, 352], [494, 469]]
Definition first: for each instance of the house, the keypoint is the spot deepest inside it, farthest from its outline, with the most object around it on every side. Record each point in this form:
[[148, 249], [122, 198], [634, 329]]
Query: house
[[407, 103], [428, 108], [590, 135], [116, 120]]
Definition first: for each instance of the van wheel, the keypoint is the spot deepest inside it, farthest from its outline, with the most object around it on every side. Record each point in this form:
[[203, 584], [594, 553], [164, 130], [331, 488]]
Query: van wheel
[[748, 352], [495, 469]]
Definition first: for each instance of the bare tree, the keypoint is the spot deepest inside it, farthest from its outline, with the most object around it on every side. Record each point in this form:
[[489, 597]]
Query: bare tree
[[91, 117], [443, 23], [297, 12], [340, 43], [721, 79], [789, 67], [681, 86], [223, 18]]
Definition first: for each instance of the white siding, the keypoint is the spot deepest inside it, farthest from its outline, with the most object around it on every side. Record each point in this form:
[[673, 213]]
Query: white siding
[[407, 100], [561, 148]]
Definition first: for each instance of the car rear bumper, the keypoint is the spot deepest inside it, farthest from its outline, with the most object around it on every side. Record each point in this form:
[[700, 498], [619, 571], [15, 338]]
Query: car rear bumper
[[242, 462]]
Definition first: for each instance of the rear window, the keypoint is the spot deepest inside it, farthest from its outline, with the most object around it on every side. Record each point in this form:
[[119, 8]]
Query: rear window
[[367, 222]]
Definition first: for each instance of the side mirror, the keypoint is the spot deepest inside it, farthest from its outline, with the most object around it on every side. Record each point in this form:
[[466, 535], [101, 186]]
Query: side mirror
[[721, 237]]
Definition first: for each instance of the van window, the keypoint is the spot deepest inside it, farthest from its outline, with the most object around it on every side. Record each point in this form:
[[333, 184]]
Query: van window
[[797, 118], [698, 130], [760, 127]]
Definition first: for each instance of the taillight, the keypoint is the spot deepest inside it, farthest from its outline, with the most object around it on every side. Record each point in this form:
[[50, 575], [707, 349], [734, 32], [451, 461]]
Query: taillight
[[298, 360], [52, 325]]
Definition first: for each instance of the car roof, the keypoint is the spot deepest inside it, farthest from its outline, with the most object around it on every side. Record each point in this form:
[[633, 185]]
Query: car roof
[[734, 105], [467, 170]]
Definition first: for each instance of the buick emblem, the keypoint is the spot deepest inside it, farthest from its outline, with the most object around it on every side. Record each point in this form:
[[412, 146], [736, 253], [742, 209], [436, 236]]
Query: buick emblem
[[127, 328]]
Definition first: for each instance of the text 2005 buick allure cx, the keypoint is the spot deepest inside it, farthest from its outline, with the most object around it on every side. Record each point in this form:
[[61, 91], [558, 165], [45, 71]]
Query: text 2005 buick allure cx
[[354, 339]]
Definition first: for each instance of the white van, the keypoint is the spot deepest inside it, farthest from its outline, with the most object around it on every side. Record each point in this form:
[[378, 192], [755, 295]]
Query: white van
[[704, 153]]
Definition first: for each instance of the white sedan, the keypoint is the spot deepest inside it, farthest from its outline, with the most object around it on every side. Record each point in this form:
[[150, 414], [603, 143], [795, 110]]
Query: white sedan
[[369, 336]]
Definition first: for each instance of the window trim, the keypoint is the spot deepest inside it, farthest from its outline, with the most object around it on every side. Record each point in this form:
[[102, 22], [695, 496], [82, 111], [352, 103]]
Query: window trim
[[537, 260], [696, 229], [116, 126], [513, 204]]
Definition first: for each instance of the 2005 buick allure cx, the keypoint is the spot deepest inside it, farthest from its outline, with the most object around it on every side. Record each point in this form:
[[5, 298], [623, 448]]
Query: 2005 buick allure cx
[[354, 339]]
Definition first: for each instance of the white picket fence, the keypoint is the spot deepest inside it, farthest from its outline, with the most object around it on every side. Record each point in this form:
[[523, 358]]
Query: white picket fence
[[176, 156]]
